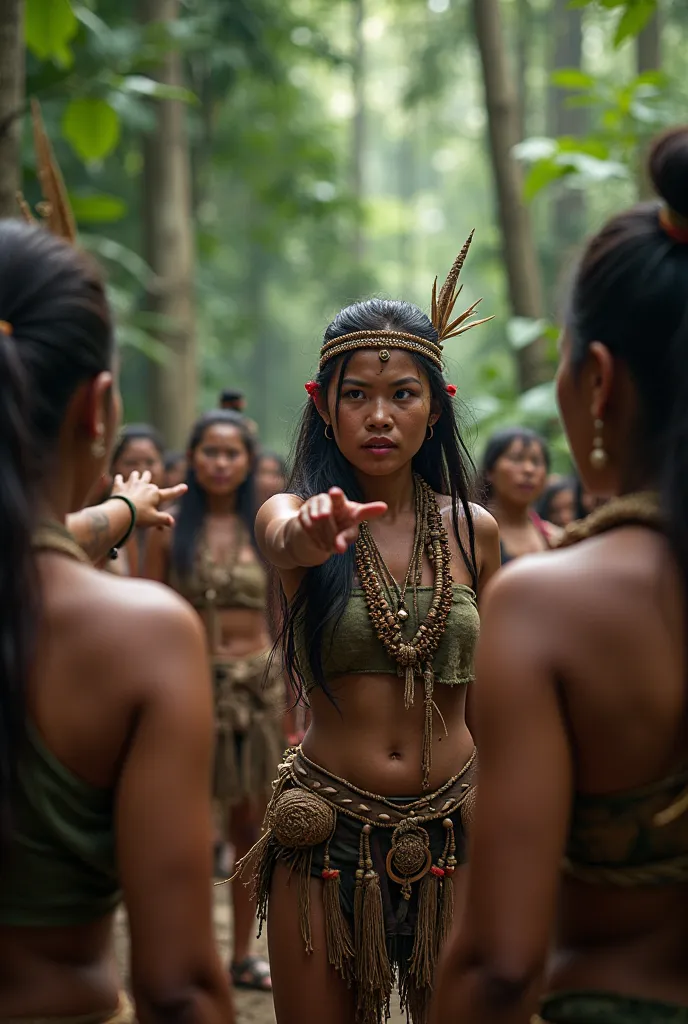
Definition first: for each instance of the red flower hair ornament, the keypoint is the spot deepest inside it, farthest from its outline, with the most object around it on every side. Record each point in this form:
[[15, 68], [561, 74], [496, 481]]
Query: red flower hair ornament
[[313, 388], [451, 390]]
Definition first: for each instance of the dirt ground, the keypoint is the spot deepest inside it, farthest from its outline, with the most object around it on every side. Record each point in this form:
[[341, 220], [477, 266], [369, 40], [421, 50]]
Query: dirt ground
[[252, 1007]]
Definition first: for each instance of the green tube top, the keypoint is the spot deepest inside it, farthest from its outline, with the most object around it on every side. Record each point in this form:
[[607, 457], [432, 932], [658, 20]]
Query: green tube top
[[60, 867], [351, 646]]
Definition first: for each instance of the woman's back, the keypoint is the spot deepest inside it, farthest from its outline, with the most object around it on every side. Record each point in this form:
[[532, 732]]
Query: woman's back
[[105, 706], [611, 615]]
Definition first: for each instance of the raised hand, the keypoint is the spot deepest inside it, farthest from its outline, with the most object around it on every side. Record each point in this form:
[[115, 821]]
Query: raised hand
[[148, 498], [330, 521]]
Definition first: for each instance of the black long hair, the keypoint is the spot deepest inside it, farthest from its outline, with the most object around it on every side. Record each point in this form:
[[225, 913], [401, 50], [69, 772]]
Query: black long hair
[[317, 464], [631, 292], [193, 505], [137, 432], [57, 333], [499, 443]]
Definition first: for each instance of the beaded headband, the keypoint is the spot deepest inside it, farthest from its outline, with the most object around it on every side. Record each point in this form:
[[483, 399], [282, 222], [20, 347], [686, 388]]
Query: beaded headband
[[442, 309], [674, 225], [55, 211]]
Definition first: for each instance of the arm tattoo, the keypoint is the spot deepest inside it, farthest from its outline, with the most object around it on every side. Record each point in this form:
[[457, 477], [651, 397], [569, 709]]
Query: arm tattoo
[[94, 533]]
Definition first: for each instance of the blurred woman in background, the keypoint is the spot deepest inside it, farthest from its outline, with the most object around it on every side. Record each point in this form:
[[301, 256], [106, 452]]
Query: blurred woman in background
[[514, 474], [558, 503], [210, 558], [139, 449], [271, 476]]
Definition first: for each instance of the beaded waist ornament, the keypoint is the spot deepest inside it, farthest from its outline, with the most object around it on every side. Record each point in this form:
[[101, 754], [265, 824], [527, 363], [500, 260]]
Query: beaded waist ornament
[[300, 825]]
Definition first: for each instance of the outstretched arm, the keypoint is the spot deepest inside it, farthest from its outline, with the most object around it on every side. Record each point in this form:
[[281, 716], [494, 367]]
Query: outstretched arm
[[100, 528], [493, 966], [296, 534]]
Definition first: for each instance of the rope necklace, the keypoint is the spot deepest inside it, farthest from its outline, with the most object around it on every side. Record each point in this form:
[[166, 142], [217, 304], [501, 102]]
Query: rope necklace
[[53, 536]]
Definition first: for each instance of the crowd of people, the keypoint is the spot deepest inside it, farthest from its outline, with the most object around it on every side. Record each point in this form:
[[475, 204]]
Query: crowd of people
[[464, 781]]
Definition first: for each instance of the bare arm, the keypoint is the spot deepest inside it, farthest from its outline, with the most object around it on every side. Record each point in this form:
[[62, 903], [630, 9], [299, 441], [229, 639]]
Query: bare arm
[[102, 527], [99, 529], [493, 966], [296, 534], [489, 552], [165, 831]]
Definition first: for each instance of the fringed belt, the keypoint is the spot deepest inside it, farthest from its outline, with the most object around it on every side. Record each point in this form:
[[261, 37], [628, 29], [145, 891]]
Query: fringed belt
[[302, 815]]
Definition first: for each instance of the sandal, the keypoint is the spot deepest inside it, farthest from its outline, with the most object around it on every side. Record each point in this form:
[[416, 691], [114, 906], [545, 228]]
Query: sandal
[[253, 972]]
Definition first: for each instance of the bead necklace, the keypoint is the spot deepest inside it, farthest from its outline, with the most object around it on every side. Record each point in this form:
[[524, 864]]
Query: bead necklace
[[413, 657]]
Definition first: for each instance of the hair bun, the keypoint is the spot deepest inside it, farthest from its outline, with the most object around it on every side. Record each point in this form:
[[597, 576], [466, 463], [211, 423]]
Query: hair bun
[[668, 167]]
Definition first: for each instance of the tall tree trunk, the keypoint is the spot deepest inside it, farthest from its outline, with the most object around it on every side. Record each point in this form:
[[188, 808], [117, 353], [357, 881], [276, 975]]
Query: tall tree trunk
[[648, 58], [568, 208], [518, 246], [11, 101], [169, 246], [524, 19], [358, 134]]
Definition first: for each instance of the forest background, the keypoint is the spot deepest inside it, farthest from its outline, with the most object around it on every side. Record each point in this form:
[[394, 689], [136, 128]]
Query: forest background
[[244, 168]]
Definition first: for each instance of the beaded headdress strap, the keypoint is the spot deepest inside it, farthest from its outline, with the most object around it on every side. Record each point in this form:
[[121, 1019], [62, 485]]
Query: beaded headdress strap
[[55, 211], [442, 310]]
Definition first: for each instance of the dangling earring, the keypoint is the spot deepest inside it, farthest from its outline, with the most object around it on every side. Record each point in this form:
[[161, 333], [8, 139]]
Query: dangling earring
[[429, 437], [598, 456], [98, 448], [327, 427]]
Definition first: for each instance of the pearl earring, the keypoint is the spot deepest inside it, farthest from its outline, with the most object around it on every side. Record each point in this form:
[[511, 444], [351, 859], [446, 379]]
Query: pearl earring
[[598, 456]]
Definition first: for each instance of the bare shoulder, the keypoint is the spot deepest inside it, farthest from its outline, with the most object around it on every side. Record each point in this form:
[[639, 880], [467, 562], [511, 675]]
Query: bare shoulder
[[135, 616], [484, 524]]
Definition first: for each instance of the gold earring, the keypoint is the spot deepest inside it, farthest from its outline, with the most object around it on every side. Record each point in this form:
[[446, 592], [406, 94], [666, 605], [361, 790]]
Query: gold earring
[[327, 427], [598, 456], [429, 437]]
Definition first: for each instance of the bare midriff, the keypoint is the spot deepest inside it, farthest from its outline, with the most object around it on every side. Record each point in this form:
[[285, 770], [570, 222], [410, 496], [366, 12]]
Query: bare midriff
[[370, 739], [238, 632], [631, 941], [72, 970]]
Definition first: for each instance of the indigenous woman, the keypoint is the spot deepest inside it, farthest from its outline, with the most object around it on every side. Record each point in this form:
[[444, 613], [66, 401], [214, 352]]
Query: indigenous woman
[[578, 880], [558, 502], [380, 555], [271, 476], [211, 559], [105, 711], [138, 450], [514, 474]]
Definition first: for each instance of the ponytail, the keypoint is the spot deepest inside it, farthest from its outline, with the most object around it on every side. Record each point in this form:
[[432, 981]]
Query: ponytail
[[18, 588]]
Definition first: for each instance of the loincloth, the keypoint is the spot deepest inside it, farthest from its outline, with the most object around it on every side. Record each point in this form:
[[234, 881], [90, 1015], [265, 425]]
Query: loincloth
[[387, 869], [250, 699], [607, 1008]]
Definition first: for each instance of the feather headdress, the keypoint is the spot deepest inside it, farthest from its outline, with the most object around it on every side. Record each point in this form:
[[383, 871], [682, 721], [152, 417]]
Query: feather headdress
[[54, 211], [442, 310]]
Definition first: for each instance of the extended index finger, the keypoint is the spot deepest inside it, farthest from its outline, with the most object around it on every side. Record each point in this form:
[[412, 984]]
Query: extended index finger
[[370, 510], [170, 493]]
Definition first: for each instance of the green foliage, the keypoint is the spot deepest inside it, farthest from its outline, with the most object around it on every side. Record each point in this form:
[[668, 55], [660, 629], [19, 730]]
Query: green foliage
[[51, 26], [92, 127], [633, 15]]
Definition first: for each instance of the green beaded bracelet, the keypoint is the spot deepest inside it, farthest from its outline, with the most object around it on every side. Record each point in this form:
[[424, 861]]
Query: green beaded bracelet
[[114, 552]]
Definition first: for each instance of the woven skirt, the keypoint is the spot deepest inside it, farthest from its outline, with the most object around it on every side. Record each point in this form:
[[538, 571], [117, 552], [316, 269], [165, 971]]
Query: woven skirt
[[250, 700], [387, 868]]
